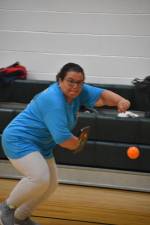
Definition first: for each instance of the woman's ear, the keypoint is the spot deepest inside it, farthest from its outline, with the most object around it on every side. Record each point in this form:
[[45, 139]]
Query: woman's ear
[[59, 81]]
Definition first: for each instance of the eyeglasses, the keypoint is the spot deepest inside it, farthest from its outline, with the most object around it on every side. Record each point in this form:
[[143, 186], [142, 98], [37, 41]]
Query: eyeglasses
[[72, 82]]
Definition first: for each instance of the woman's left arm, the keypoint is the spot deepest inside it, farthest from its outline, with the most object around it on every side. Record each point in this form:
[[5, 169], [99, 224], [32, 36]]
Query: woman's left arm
[[110, 98]]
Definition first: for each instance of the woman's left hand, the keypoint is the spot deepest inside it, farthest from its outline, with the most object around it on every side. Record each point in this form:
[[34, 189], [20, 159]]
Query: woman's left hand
[[123, 105]]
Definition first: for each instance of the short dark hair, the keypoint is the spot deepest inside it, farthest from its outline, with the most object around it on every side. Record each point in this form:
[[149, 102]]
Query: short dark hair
[[68, 68]]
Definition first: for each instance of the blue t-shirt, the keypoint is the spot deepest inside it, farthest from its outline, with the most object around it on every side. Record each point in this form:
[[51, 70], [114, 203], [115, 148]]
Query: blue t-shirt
[[47, 120]]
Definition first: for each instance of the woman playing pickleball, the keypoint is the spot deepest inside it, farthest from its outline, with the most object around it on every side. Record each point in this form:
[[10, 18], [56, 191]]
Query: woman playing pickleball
[[29, 139]]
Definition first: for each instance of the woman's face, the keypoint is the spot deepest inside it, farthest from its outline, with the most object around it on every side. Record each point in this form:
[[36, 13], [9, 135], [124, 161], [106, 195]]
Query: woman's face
[[72, 84]]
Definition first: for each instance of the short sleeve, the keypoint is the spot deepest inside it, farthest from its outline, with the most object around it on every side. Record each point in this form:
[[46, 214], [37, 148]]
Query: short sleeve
[[90, 95]]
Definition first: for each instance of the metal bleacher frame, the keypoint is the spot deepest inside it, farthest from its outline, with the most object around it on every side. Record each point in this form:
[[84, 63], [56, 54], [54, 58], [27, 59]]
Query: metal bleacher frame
[[87, 176]]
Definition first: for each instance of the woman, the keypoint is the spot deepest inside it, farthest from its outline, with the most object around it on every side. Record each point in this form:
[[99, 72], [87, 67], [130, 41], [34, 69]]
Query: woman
[[29, 139]]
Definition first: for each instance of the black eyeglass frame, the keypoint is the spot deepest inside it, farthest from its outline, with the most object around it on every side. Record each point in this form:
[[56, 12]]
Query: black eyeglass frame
[[72, 82]]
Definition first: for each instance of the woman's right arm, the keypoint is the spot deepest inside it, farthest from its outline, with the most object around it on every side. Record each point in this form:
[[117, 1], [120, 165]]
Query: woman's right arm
[[71, 144]]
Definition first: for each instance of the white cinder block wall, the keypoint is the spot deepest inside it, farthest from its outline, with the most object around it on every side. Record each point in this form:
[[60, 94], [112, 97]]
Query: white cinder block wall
[[110, 39]]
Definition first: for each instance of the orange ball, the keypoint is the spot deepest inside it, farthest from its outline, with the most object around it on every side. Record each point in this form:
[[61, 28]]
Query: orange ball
[[133, 152]]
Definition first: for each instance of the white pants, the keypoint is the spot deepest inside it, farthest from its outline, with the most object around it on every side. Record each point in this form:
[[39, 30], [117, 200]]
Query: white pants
[[39, 182]]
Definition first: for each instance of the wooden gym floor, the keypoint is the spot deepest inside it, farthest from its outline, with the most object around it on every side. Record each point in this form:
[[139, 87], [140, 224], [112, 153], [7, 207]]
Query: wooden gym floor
[[80, 205]]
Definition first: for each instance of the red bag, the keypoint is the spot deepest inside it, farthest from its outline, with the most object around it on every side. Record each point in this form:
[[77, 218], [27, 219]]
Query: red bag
[[11, 73]]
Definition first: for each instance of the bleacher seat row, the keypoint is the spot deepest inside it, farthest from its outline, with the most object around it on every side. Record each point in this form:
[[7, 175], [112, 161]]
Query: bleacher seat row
[[110, 135]]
